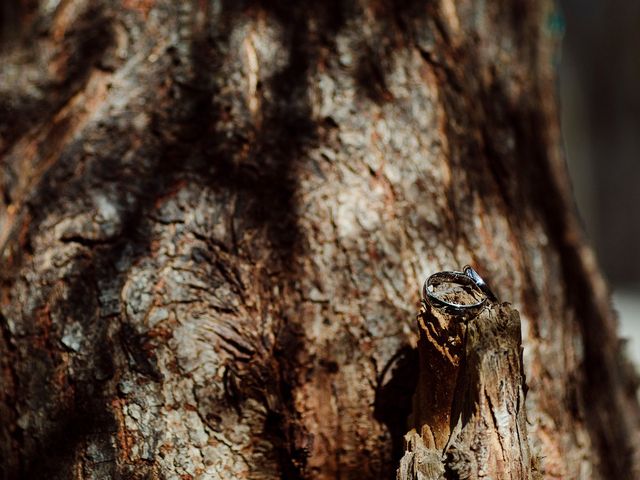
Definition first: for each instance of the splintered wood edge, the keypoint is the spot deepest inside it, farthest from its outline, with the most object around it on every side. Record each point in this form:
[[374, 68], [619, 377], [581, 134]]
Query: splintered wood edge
[[489, 395]]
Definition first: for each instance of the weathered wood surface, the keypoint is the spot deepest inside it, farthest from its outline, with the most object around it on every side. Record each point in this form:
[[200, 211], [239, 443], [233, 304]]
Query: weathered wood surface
[[469, 417], [216, 216]]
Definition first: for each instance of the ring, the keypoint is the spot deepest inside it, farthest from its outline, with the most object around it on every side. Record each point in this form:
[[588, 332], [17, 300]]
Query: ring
[[468, 278], [470, 272]]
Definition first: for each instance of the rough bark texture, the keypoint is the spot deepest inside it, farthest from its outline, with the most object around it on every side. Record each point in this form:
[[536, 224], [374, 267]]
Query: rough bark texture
[[216, 217], [469, 419]]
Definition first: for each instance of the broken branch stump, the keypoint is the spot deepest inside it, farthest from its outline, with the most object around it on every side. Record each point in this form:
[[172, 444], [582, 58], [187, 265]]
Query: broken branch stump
[[469, 418]]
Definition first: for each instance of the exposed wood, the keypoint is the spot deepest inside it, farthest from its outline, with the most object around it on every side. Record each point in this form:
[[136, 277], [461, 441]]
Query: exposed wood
[[215, 218], [469, 419]]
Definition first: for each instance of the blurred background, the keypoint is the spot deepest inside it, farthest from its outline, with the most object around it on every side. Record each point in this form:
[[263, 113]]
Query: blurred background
[[600, 96]]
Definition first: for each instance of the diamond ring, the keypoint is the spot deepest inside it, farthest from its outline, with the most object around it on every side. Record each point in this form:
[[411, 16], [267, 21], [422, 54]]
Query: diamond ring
[[467, 281]]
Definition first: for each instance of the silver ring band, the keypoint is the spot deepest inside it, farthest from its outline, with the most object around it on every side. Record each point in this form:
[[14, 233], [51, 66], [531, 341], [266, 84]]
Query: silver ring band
[[470, 272], [453, 277]]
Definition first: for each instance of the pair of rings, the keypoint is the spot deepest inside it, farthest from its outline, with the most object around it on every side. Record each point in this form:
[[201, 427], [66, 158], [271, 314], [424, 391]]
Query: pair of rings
[[469, 280]]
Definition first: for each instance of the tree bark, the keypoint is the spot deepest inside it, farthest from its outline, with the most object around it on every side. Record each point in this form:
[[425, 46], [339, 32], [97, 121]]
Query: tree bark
[[216, 217]]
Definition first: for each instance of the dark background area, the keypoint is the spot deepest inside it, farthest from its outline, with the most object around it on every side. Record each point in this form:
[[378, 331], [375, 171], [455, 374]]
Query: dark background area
[[600, 96]]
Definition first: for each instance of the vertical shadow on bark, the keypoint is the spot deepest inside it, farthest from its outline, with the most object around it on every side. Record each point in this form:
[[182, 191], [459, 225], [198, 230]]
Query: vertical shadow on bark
[[15, 18], [10, 20], [370, 75], [394, 399], [394, 24], [78, 52], [267, 180], [84, 414], [11, 437]]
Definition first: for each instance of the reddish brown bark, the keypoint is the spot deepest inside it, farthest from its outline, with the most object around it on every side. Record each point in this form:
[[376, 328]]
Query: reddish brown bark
[[216, 217]]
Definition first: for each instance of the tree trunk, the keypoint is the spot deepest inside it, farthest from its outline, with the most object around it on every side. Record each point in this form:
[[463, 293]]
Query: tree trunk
[[216, 218]]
